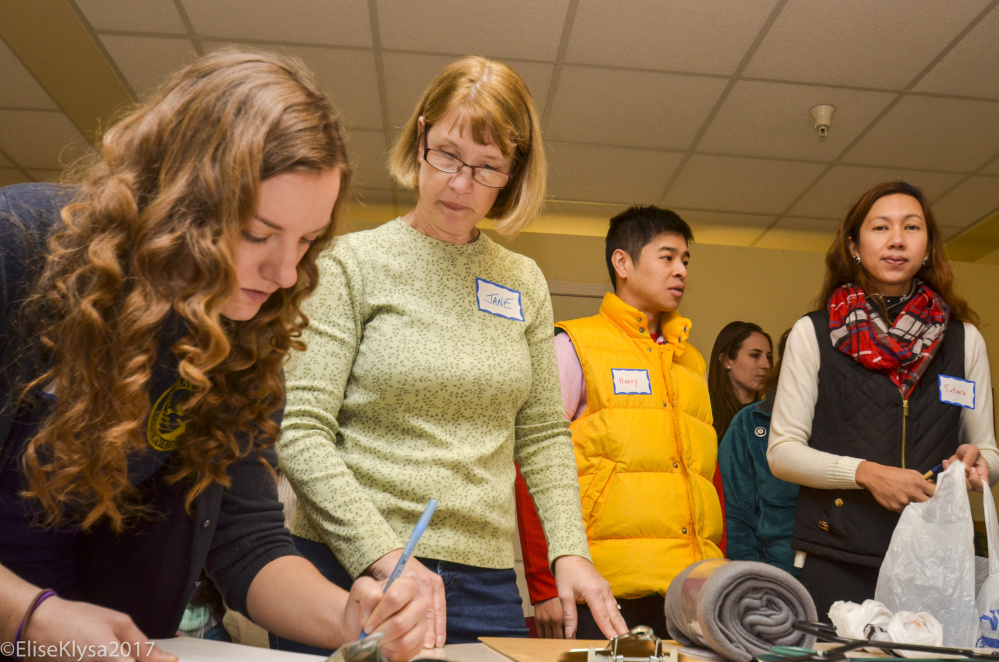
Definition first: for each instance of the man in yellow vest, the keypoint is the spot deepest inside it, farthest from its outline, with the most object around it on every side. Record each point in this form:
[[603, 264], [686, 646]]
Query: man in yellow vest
[[641, 427]]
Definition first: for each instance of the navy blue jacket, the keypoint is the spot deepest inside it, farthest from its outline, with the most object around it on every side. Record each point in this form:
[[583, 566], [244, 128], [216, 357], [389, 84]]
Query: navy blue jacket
[[150, 570]]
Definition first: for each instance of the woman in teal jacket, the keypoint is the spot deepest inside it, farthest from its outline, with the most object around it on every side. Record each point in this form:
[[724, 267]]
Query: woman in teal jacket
[[759, 509]]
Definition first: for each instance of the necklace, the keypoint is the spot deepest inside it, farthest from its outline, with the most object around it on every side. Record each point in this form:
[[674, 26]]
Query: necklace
[[894, 305]]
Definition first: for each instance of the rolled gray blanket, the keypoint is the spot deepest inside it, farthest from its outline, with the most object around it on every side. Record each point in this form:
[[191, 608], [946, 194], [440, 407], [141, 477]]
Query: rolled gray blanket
[[739, 609]]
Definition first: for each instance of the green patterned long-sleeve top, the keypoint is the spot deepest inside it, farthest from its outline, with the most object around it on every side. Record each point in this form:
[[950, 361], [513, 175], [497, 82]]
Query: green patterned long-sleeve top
[[430, 367]]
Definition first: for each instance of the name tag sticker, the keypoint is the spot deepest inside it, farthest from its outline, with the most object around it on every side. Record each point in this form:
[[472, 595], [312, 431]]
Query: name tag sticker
[[956, 391], [498, 300], [631, 382]]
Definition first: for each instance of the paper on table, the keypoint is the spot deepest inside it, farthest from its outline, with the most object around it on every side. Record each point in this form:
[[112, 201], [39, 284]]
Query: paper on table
[[189, 649]]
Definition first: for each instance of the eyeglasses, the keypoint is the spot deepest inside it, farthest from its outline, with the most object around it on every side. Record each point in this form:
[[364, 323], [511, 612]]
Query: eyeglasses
[[452, 164]]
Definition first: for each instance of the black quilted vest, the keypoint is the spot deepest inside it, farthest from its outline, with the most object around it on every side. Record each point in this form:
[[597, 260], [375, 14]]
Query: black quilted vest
[[859, 413]]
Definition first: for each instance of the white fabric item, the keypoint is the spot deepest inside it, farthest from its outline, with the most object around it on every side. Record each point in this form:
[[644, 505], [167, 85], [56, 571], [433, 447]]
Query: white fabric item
[[915, 628], [851, 620], [791, 458]]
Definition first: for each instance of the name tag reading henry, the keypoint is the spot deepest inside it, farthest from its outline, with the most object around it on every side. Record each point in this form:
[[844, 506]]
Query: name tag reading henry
[[498, 300], [956, 391], [631, 382]]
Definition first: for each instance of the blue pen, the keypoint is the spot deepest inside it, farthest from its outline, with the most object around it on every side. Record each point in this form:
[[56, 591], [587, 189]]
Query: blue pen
[[421, 526], [932, 473]]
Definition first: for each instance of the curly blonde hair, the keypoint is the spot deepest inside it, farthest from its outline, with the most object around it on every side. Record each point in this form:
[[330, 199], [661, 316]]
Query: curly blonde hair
[[147, 240]]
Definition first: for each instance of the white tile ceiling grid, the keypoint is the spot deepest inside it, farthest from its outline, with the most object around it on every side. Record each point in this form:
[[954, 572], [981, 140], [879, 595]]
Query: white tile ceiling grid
[[701, 105]]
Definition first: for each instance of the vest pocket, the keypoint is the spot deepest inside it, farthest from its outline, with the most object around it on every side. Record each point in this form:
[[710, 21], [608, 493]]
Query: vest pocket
[[592, 496]]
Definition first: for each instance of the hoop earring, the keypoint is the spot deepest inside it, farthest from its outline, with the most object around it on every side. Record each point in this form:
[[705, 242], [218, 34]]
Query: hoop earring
[[926, 261], [856, 259]]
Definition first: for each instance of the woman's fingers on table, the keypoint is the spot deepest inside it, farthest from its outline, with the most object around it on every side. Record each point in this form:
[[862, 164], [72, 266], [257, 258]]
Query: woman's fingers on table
[[577, 580], [83, 632], [548, 619]]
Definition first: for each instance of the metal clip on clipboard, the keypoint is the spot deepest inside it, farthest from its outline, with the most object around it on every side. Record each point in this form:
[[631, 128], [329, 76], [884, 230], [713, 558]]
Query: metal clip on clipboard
[[639, 645]]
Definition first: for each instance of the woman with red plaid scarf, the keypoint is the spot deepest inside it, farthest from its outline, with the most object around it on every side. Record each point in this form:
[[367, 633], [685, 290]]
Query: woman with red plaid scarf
[[886, 380]]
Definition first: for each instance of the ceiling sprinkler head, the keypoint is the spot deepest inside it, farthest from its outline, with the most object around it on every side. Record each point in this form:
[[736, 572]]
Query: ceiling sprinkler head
[[823, 118]]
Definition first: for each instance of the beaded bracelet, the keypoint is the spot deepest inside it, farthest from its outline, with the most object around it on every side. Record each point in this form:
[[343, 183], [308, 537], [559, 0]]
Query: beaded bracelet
[[42, 596]]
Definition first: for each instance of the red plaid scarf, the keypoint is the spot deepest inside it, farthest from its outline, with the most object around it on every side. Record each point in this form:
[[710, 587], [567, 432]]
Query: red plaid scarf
[[903, 351]]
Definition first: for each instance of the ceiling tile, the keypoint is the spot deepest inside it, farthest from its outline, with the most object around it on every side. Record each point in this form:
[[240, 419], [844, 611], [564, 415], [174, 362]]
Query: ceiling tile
[[494, 28], [348, 76], [729, 183], [842, 185], [633, 108], [408, 76], [46, 175], [773, 120], [134, 16], [970, 202], [329, 22], [834, 42], [932, 133], [676, 35], [608, 174], [969, 69], [800, 234], [18, 88], [10, 176], [147, 61], [369, 154], [723, 227], [40, 138]]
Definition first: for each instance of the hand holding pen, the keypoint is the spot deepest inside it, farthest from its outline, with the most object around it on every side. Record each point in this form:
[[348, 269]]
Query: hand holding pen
[[399, 562]]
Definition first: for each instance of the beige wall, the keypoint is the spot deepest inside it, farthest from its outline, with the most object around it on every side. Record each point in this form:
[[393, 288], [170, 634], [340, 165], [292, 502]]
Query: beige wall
[[772, 288]]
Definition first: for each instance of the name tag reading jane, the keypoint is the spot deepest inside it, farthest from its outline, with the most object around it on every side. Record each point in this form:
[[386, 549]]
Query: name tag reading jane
[[497, 300]]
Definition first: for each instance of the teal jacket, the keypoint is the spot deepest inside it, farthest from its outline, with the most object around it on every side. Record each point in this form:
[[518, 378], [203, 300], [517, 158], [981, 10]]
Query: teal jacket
[[759, 509]]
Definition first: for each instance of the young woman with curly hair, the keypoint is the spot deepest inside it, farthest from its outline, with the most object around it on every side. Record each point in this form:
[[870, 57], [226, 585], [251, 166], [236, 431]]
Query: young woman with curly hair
[[145, 316], [865, 404]]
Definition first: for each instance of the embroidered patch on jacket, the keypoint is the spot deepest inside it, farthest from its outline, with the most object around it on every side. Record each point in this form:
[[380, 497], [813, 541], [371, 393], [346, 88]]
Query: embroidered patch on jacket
[[166, 420], [497, 300], [631, 382]]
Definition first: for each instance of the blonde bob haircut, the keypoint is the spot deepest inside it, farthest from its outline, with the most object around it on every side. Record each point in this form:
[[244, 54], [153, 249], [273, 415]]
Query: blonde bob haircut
[[498, 106]]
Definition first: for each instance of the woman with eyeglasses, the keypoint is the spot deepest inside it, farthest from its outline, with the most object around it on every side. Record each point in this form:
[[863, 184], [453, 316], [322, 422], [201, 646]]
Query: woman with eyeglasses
[[431, 367]]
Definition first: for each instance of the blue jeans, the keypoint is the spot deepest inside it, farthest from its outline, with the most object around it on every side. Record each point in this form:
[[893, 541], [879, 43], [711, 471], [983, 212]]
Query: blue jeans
[[481, 602]]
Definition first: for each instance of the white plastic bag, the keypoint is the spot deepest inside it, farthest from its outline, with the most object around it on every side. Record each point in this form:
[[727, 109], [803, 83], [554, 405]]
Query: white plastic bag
[[987, 602], [930, 564]]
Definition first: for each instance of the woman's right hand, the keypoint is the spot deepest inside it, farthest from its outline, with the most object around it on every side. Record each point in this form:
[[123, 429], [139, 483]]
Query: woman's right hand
[[548, 619], [894, 488], [98, 633], [430, 585]]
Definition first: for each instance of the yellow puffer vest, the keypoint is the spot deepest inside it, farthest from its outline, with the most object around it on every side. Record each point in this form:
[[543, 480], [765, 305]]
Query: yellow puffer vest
[[645, 449]]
